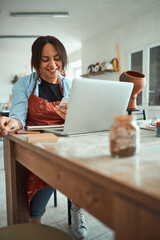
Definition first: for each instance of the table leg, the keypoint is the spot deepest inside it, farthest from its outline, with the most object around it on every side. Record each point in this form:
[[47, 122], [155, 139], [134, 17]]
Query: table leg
[[15, 175], [135, 221]]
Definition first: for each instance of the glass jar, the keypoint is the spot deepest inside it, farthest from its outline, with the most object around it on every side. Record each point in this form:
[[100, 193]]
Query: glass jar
[[124, 136]]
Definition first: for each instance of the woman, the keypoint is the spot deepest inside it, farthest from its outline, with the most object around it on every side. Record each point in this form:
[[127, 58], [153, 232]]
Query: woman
[[35, 101]]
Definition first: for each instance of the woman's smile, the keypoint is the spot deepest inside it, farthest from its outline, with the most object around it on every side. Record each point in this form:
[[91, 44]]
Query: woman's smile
[[52, 70]]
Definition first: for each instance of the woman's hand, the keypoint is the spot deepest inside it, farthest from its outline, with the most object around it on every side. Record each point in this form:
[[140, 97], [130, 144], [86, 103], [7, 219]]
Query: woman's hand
[[8, 125], [61, 110]]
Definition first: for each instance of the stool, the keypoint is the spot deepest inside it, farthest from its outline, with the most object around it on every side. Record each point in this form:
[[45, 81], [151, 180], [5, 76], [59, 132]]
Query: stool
[[32, 231], [137, 112], [68, 204]]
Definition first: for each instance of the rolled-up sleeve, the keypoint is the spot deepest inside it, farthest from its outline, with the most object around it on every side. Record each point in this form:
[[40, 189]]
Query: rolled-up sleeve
[[19, 102]]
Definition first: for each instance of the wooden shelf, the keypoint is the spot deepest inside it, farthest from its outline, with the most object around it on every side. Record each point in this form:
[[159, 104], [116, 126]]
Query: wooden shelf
[[98, 73]]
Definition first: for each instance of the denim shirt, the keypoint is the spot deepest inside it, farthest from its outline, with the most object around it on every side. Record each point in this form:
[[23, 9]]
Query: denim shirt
[[23, 89]]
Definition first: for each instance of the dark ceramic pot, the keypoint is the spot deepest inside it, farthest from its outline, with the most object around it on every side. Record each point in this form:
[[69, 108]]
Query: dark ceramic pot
[[139, 81]]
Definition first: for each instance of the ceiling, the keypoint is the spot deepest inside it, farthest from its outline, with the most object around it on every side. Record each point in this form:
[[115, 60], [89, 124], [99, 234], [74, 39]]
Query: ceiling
[[86, 18]]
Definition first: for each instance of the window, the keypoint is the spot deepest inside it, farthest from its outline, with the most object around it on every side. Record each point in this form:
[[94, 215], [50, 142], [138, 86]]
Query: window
[[77, 72], [74, 69], [150, 66], [137, 65], [154, 76]]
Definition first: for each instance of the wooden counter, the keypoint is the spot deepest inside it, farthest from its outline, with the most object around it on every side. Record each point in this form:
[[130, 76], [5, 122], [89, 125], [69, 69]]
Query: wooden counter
[[124, 193]]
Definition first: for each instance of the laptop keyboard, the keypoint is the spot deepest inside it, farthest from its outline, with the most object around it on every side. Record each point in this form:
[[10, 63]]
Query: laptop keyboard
[[54, 130]]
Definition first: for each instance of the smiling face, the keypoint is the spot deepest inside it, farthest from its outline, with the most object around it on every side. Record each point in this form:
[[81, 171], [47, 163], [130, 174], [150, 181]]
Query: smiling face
[[50, 64]]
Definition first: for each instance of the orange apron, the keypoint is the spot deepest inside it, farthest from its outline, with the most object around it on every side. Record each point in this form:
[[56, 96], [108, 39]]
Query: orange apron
[[40, 112]]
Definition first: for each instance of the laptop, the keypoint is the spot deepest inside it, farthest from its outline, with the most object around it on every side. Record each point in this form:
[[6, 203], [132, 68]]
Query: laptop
[[92, 105]]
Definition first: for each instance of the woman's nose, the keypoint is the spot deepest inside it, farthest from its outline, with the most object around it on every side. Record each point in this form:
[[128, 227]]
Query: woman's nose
[[52, 63]]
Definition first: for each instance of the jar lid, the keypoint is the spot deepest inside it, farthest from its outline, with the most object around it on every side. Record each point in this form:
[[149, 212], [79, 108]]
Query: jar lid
[[123, 118], [157, 123]]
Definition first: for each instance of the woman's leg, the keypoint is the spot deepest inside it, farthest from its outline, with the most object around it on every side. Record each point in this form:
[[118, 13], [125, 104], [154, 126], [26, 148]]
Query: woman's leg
[[38, 204]]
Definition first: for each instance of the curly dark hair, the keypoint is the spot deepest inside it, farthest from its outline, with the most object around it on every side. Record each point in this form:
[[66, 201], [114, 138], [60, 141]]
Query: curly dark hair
[[37, 49]]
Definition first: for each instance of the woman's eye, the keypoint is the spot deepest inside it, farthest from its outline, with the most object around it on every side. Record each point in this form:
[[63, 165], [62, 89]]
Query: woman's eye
[[57, 58], [44, 60]]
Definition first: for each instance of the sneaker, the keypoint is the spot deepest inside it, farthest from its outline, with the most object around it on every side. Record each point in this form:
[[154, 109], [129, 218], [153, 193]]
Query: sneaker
[[79, 226]]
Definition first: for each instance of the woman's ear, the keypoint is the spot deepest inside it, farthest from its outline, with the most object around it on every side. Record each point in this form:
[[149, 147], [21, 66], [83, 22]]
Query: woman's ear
[[63, 73]]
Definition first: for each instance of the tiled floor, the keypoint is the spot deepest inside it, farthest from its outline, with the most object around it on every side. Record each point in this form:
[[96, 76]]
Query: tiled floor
[[56, 217]]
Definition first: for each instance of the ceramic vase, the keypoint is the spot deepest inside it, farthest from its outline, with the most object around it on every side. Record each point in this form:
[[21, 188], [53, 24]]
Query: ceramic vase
[[139, 81]]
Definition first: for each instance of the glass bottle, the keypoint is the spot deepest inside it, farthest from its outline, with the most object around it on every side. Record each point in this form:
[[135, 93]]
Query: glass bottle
[[158, 129], [124, 136]]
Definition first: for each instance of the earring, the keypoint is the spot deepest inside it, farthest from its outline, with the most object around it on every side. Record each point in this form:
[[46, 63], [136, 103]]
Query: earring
[[63, 73]]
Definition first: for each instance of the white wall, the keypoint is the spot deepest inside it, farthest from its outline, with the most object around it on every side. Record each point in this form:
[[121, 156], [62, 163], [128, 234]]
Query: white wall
[[136, 33], [74, 62], [12, 62], [11, 65]]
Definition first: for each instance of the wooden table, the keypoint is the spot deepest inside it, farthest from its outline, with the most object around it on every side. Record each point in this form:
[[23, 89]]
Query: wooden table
[[123, 193]]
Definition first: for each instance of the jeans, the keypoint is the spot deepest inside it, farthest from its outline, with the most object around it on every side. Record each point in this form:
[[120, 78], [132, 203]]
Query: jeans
[[39, 202]]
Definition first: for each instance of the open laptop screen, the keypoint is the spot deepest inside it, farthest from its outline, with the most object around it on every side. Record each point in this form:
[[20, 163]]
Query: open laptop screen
[[93, 104]]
